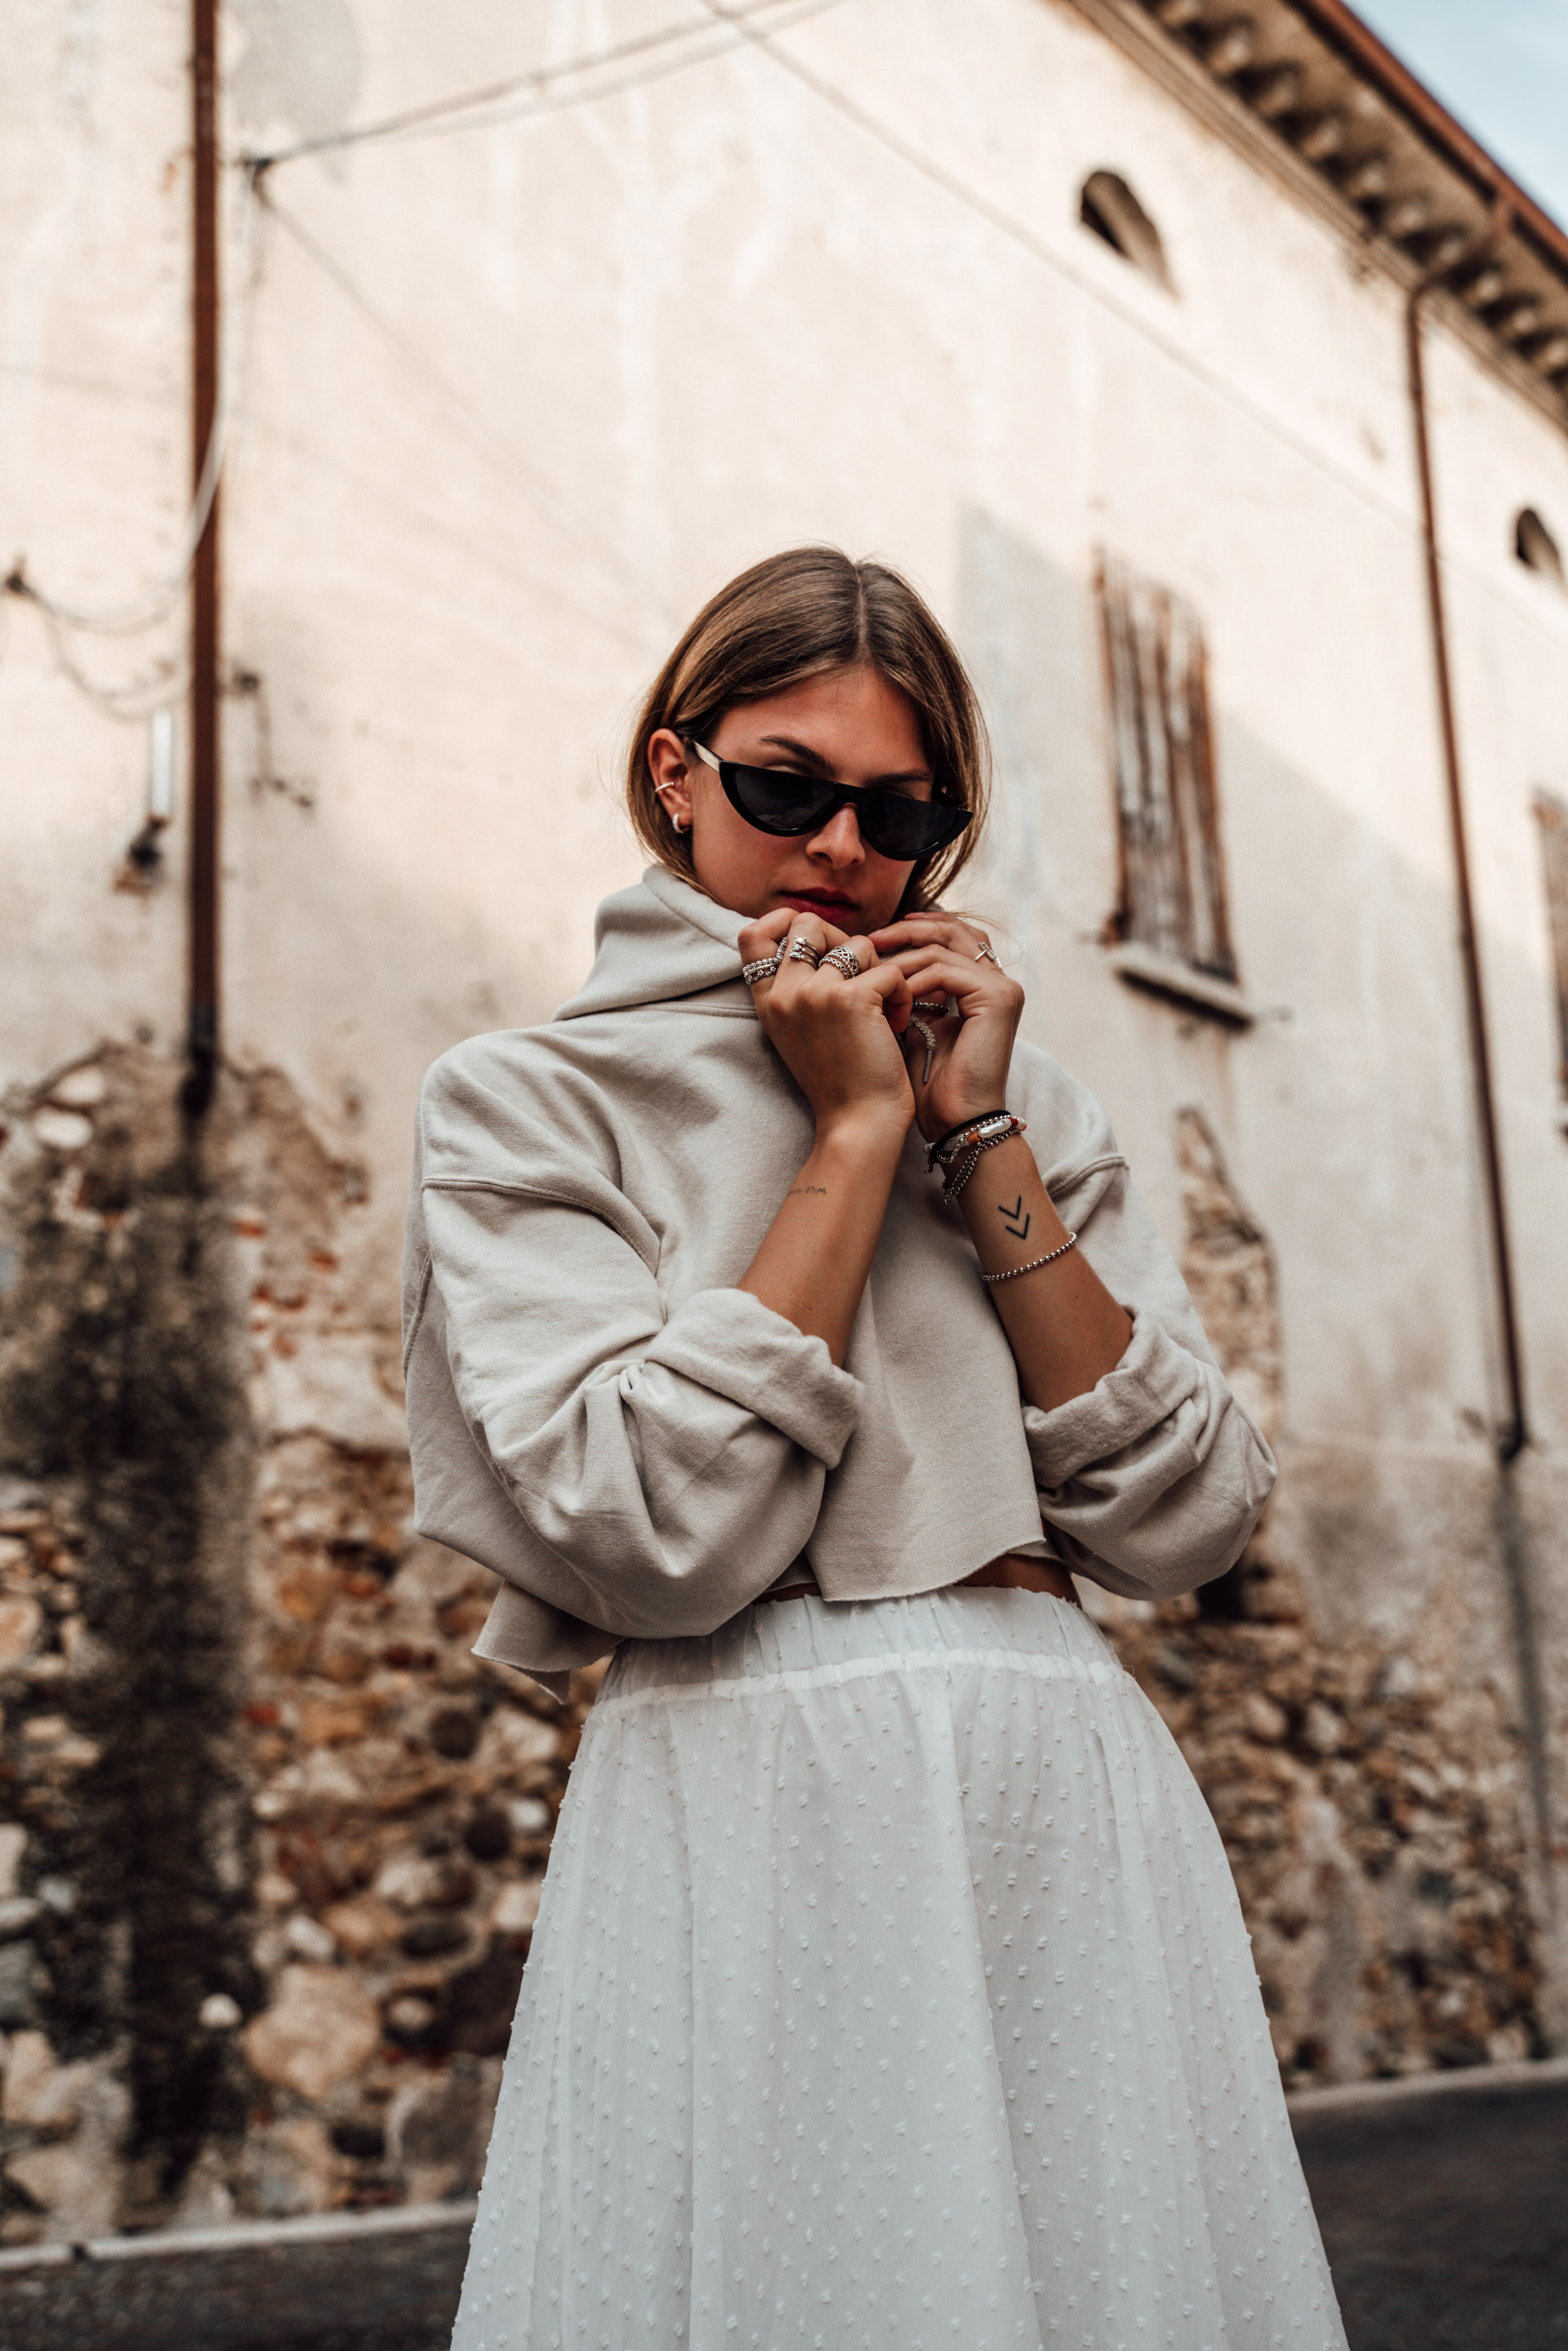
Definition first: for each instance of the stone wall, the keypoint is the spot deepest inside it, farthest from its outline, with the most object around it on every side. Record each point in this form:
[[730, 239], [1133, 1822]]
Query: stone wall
[[1375, 1806], [1374, 1798], [270, 1837]]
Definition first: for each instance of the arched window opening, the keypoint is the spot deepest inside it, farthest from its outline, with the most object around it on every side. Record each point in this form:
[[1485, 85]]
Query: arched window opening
[[1108, 206], [1535, 547]]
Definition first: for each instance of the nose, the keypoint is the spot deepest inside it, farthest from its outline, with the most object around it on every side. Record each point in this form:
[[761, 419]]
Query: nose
[[839, 841]]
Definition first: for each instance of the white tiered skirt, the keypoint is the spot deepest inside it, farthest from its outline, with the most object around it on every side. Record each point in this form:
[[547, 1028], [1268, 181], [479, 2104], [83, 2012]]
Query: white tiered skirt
[[890, 1988]]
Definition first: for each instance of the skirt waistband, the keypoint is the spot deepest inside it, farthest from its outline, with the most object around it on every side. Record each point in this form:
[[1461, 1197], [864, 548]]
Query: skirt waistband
[[1011, 1572]]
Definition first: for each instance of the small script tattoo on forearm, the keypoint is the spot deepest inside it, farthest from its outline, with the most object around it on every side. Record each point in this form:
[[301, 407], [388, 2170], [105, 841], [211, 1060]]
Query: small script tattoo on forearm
[[803, 1191], [1009, 1218]]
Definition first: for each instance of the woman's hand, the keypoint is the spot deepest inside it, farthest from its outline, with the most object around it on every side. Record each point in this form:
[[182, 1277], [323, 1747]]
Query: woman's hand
[[941, 957], [837, 1037]]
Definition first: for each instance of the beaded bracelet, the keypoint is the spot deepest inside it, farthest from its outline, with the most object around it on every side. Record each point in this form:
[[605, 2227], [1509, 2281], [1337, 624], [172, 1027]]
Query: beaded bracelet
[[1050, 1257]]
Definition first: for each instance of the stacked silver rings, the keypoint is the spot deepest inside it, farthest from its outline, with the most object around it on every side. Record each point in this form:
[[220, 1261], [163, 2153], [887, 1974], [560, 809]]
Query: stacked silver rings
[[843, 959]]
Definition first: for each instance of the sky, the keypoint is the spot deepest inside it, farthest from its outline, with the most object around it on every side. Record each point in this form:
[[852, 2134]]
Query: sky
[[1500, 67]]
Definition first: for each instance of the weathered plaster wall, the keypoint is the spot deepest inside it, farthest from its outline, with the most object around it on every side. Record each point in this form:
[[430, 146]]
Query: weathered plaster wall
[[515, 399]]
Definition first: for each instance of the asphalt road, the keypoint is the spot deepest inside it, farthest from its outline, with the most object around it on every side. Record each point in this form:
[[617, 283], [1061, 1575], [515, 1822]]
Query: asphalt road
[[1445, 2214]]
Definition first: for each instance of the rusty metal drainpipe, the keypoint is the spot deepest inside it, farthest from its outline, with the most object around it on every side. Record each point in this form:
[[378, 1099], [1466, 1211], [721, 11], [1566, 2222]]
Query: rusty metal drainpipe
[[203, 1034], [1512, 1436]]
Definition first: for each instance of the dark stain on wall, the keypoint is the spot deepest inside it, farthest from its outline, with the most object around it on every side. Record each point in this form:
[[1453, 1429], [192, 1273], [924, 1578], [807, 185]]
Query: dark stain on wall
[[122, 1417]]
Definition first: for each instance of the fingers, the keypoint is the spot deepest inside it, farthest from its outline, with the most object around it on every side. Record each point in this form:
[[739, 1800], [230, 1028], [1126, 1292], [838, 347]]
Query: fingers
[[936, 929], [776, 934], [886, 980], [935, 970]]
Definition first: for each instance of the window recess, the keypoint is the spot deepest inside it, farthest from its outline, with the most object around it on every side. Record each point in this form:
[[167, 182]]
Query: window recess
[[1552, 815], [1109, 206], [1536, 547], [1170, 932]]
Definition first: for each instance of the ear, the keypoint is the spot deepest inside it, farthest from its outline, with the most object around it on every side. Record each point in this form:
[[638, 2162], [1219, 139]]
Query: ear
[[669, 765]]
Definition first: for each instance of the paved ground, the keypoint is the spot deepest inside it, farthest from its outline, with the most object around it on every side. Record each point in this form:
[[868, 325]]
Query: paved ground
[[1446, 2216], [364, 2287]]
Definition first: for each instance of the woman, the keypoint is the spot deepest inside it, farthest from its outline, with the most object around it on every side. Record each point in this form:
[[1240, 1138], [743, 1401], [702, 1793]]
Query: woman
[[774, 1315]]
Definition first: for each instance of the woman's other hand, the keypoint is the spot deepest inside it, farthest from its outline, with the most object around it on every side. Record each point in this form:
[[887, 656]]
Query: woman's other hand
[[838, 1036], [941, 957]]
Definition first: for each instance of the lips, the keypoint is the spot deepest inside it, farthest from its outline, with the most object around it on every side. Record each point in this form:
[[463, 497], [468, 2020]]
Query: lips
[[831, 910]]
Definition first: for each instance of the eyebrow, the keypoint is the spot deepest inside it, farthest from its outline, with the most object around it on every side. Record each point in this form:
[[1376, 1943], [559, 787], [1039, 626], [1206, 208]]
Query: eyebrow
[[810, 758]]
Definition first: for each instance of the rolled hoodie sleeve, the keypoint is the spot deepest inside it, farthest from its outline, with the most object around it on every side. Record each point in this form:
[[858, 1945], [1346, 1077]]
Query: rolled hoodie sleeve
[[1151, 1482], [665, 1468]]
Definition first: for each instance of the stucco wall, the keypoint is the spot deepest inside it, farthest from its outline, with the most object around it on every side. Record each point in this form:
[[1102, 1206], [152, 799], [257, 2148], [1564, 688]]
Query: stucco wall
[[514, 399]]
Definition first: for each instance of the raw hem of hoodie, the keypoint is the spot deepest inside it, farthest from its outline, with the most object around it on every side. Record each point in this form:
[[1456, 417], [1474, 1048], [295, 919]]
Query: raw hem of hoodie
[[504, 1643]]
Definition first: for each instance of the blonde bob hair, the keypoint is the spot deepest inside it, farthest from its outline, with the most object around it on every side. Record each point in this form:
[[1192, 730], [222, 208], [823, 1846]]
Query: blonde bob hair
[[797, 615]]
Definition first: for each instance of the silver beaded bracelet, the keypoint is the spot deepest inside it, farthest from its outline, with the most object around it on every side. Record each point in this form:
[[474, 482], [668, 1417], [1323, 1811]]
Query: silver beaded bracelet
[[1013, 1271]]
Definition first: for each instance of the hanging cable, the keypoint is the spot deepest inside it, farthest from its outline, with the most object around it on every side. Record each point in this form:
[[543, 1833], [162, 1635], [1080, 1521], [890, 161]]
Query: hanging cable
[[132, 702], [697, 46], [142, 611]]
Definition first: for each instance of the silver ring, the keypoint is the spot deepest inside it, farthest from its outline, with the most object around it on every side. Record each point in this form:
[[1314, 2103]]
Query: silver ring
[[844, 959], [985, 955], [802, 951], [767, 968]]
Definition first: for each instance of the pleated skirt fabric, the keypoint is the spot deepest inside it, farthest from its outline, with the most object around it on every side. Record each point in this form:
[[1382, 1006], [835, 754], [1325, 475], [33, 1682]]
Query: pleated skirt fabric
[[890, 1988]]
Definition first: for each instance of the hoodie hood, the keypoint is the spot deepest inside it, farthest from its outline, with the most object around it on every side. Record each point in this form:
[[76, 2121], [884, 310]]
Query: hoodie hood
[[656, 942]]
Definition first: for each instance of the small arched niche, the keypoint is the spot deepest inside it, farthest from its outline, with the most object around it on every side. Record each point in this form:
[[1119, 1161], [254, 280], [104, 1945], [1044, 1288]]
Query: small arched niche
[[1107, 206], [1535, 547]]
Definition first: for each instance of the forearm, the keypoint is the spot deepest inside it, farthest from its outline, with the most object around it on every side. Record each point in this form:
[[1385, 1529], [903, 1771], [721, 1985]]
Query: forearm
[[1065, 1329], [812, 1266]]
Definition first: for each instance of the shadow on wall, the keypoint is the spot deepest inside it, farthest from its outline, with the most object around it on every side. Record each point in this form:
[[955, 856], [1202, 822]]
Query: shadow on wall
[[1350, 1696]]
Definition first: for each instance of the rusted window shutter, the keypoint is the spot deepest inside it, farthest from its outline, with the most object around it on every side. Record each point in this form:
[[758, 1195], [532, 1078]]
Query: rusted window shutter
[[1172, 895], [1553, 816]]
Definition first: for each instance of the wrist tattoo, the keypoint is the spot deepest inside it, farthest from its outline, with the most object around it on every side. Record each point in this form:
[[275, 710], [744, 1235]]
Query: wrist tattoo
[[802, 1191], [1009, 1218]]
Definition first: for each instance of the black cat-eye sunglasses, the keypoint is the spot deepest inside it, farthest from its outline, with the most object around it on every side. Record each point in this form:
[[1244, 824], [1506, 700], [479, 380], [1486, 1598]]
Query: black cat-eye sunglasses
[[780, 800]]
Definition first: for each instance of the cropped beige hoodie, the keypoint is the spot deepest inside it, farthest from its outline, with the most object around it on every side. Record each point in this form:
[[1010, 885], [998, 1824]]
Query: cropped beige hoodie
[[638, 1448]]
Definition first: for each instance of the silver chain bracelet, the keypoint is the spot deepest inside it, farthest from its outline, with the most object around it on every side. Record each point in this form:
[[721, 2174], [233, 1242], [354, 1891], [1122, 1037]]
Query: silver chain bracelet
[[1034, 1264]]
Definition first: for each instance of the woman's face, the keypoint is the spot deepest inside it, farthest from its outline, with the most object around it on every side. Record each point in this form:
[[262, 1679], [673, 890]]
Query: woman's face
[[849, 724]]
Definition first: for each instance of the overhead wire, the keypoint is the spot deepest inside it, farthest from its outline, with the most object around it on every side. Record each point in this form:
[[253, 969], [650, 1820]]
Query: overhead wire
[[977, 202], [694, 45], [476, 109], [873, 127], [476, 427], [436, 117], [1019, 234]]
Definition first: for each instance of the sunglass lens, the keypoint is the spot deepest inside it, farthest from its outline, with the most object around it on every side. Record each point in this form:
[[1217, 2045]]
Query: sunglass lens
[[775, 801], [897, 826]]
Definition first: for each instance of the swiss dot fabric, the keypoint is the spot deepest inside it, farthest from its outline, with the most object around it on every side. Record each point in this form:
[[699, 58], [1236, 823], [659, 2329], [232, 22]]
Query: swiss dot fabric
[[890, 1988]]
